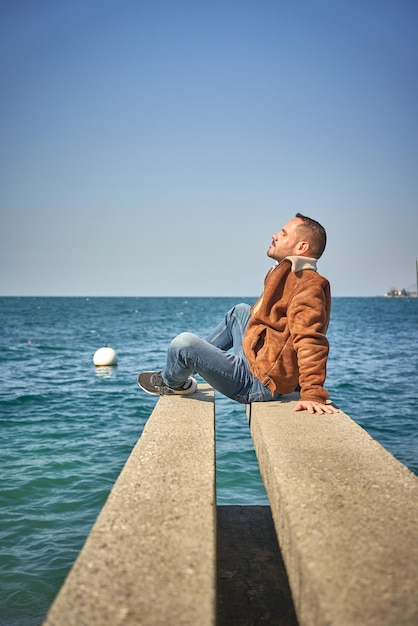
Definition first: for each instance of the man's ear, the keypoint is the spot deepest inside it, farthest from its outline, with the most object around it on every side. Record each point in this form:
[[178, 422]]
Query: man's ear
[[302, 248]]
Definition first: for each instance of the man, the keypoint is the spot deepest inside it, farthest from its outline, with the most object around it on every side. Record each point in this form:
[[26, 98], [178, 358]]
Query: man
[[278, 345]]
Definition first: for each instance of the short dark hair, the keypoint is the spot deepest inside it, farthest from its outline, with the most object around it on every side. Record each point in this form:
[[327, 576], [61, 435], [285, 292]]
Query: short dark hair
[[316, 234]]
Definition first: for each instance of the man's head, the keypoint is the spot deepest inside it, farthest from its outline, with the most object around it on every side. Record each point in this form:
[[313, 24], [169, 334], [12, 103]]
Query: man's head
[[301, 236]]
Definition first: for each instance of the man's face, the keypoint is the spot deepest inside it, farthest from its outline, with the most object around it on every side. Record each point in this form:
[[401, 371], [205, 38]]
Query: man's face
[[286, 241]]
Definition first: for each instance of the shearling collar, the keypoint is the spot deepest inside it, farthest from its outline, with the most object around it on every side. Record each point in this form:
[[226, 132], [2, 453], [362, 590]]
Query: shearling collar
[[300, 263]]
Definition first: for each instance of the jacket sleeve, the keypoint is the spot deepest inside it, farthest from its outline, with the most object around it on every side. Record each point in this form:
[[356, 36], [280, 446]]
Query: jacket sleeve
[[308, 316]]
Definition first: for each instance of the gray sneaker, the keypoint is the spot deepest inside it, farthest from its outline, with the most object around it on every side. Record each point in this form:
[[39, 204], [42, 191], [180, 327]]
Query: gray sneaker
[[152, 382]]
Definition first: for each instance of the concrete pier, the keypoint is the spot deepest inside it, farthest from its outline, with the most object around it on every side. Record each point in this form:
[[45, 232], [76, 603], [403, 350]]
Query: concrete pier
[[346, 516], [161, 553], [150, 558]]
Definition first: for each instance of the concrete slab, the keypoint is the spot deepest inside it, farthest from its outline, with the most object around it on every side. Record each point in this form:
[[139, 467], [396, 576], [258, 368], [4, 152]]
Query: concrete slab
[[150, 558], [346, 515]]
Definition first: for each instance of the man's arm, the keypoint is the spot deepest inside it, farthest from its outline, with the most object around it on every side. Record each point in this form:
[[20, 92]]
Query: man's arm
[[308, 316]]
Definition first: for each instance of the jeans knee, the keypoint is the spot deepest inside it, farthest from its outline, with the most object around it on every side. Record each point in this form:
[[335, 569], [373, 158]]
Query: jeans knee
[[183, 341], [242, 308]]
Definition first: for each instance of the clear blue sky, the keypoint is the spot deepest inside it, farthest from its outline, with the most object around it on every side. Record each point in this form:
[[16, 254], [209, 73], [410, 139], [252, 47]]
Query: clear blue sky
[[153, 147]]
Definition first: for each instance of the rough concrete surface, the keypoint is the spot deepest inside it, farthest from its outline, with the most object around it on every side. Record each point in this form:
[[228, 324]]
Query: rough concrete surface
[[346, 515], [150, 559]]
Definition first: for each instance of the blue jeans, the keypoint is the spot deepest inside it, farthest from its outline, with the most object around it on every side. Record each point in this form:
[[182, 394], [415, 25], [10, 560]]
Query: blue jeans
[[219, 360]]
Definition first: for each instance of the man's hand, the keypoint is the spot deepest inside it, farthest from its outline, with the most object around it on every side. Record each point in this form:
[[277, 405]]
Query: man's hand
[[315, 407]]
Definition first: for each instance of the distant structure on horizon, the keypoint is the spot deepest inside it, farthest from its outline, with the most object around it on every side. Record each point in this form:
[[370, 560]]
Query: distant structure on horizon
[[400, 293]]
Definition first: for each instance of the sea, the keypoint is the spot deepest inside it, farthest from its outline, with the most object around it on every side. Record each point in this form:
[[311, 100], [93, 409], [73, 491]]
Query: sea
[[68, 427]]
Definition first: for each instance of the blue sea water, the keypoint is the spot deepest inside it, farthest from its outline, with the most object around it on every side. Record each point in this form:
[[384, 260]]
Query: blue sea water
[[67, 428]]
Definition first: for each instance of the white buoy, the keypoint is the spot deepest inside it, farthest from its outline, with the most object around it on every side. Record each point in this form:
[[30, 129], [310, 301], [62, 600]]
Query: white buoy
[[105, 356]]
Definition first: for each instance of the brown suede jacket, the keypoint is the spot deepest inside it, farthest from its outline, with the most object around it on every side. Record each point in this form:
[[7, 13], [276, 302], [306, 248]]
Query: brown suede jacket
[[285, 341]]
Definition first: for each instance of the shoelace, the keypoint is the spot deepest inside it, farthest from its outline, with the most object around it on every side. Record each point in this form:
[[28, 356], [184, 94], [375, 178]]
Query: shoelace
[[157, 381]]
